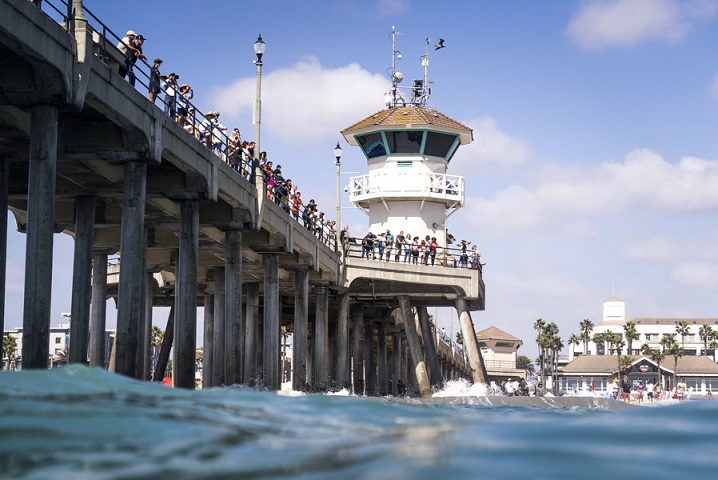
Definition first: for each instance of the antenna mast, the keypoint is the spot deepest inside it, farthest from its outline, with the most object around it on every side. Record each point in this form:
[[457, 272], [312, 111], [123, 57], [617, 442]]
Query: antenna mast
[[419, 90]]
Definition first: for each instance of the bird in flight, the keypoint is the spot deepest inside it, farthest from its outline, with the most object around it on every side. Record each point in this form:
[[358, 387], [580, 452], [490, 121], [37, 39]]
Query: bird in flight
[[440, 44]]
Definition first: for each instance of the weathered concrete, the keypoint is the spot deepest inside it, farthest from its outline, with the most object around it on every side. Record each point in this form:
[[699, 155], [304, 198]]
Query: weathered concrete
[[234, 325], [321, 341], [435, 375], [145, 340], [381, 360], [417, 358], [186, 297], [301, 320], [4, 182], [208, 345], [342, 364], [270, 367], [471, 346], [130, 289], [369, 364], [40, 229], [220, 324], [98, 307], [251, 339], [358, 352]]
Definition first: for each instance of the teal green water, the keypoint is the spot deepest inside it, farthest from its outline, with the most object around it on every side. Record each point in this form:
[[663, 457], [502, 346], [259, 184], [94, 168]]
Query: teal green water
[[81, 423]]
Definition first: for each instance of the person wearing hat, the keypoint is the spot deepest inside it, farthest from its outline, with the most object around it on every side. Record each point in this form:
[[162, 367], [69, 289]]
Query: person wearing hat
[[183, 98], [170, 88], [137, 43], [389, 244], [128, 50], [155, 75]]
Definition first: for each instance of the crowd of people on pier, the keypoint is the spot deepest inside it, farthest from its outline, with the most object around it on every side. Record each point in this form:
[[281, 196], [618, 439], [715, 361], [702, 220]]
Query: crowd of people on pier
[[209, 130], [405, 248]]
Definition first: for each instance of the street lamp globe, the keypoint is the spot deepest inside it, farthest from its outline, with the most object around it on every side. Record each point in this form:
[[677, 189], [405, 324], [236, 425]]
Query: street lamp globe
[[338, 152], [259, 47]]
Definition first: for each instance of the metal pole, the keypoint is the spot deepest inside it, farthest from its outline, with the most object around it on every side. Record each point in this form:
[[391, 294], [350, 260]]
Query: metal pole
[[339, 198], [257, 126]]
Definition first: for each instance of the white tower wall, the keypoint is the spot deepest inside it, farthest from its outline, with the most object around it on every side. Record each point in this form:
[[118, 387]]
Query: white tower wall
[[411, 217]]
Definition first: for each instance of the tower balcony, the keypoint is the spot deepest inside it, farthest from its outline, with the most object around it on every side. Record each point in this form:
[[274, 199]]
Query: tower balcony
[[435, 187]]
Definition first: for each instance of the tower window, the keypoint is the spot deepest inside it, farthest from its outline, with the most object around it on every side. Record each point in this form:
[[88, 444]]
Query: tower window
[[438, 144], [372, 144], [403, 141]]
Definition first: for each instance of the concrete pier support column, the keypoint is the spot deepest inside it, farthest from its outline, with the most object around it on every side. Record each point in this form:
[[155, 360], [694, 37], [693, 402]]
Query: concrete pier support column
[[39, 241], [301, 321], [270, 357], [164, 356], [82, 279], [4, 186], [382, 361], [98, 309], [343, 343], [369, 364], [251, 367], [471, 346], [233, 317], [185, 347], [208, 344], [412, 336], [219, 356], [358, 352], [321, 341], [145, 339], [396, 362], [435, 375], [130, 299]]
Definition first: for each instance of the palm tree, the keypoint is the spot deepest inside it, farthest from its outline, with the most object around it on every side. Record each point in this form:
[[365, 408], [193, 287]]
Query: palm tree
[[600, 339], [713, 346], [677, 352], [556, 347], [586, 329], [682, 329], [667, 340], [574, 340], [706, 331], [626, 362], [62, 356], [630, 334], [459, 338], [524, 363], [9, 349], [539, 326]]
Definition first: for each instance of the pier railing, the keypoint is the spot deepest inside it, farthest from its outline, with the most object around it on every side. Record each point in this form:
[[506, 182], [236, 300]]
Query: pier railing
[[439, 186]]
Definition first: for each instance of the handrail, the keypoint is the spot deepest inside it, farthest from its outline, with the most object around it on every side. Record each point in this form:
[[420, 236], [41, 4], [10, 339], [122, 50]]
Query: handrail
[[443, 257], [410, 183]]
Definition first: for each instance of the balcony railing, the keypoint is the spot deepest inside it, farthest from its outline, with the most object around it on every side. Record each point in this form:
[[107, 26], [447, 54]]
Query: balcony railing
[[449, 188]]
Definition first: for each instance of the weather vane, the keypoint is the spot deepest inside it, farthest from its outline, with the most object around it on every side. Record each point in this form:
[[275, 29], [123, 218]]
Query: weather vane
[[419, 91]]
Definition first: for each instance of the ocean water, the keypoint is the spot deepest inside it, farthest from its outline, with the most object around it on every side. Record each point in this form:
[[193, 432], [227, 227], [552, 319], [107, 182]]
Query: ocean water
[[81, 423]]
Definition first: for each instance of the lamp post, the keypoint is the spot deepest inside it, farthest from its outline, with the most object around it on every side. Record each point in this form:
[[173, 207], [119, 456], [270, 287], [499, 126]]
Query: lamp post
[[259, 50], [338, 163]]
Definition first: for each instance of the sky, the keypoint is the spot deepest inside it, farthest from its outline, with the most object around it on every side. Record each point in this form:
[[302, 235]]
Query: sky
[[594, 167]]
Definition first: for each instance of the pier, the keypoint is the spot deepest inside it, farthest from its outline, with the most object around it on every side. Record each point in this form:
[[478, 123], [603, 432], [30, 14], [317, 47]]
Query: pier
[[84, 153]]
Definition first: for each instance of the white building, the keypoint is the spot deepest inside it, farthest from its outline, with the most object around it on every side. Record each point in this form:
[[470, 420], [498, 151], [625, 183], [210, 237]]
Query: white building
[[650, 331], [499, 352]]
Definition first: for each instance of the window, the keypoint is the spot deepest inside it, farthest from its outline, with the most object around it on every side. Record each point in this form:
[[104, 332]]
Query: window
[[438, 144], [372, 144], [504, 344], [58, 339], [404, 141], [482, 345], [404, 163], [652, 337], [691, 352]]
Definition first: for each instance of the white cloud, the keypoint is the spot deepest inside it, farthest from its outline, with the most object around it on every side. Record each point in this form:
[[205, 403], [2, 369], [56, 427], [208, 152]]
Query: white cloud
[[306, 101], [700, 275], [618, 23], [652, 249], [491, 145], [567, 198], [387, 8]]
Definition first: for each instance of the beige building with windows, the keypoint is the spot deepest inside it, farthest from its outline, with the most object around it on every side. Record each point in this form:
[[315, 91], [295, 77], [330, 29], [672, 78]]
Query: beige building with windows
[[499, 351]]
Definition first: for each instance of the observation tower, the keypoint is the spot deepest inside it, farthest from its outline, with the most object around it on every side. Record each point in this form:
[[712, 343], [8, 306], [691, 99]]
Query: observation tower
[[408, 147]]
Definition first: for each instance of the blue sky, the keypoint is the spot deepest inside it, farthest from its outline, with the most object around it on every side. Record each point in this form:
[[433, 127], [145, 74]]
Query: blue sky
[[593, 171]]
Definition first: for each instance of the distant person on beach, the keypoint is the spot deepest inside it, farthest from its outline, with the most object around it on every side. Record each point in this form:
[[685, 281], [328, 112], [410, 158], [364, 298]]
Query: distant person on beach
[[639, 391], [626, 391], [614, 388], [650, 387], [709, 395], [538, 391], [657, 390], [681, 389]]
